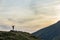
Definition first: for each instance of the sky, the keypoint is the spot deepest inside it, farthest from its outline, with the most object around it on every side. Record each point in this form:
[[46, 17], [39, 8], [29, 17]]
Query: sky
[[28, 15]]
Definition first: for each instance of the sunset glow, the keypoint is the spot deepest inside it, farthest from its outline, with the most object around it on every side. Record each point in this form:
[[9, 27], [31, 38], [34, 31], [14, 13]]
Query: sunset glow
[[29, 15]]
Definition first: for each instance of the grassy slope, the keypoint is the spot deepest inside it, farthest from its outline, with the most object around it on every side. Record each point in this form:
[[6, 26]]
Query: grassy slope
[[16, 35]]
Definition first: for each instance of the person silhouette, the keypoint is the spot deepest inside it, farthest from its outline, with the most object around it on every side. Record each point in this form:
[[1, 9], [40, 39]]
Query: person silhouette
[[13, 27]]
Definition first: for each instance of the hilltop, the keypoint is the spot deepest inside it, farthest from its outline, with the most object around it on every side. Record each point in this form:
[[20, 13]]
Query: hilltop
[[16, 35]]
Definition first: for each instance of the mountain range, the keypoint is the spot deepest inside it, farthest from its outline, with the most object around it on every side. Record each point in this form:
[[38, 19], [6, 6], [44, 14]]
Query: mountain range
[[51, 32]]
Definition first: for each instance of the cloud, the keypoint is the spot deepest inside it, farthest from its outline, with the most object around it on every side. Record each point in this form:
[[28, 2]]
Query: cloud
[[46, 7], [21, 13]]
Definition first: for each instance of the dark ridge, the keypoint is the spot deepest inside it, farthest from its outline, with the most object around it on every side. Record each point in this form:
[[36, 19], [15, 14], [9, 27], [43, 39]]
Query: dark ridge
[[51, 32], [16, 35]]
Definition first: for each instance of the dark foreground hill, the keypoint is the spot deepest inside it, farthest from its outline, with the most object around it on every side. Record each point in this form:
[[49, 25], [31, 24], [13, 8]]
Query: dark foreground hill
[[16, 35], [51, 32]]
